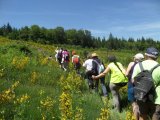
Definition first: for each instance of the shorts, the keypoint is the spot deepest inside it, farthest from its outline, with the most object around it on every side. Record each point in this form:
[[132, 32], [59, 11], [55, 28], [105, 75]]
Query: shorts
[[146, 108], [156, 114], [131, 97]]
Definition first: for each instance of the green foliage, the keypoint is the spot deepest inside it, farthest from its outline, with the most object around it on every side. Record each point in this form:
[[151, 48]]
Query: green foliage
[[42, 82]]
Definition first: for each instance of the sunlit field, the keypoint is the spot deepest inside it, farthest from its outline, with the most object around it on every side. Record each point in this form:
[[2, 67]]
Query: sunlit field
[[33, 87]]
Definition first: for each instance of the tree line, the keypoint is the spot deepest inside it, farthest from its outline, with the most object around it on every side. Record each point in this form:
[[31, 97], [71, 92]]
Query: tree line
[[80, 37]]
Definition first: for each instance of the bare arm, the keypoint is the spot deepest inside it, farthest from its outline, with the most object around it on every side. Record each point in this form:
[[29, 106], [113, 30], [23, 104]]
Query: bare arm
[[101, 74], [129, 68]]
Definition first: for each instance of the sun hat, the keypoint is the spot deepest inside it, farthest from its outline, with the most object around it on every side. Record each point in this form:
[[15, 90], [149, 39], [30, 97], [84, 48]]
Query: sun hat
[[139, 56], [94, 55], [152, 52]]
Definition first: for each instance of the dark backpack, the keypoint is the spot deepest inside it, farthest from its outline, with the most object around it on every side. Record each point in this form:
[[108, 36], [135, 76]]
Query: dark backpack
[[99, 66], [66, 56], [59, 55], [144, 89]]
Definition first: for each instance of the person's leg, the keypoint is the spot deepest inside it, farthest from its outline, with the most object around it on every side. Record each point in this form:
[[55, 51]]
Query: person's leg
[[96, 85], [143, 117], [156, 114], [90, 80], [104, 90], [64, 66], [115, 95], [59, 61], [143, 110], [135, 109], [77, 68]]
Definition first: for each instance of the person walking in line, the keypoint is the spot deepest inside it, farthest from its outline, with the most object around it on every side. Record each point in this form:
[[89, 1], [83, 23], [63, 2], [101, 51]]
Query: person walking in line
[[76, 62], [117, 79], [137, 58], [98, 67], [65, 60], [59, 57], [88, 71], [56, 51], [151, 108]]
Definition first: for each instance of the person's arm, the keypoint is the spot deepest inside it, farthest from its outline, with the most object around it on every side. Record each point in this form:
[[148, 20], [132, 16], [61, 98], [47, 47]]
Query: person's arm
[[129, 68], [101, 74], [136, 70], [84, 64], [72, 58]]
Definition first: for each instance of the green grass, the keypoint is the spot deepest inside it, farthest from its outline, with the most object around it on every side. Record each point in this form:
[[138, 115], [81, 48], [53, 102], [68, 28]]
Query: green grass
[[48, 82]]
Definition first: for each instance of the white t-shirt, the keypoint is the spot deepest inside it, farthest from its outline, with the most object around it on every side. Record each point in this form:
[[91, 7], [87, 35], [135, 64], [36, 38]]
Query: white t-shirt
[[88, 64]]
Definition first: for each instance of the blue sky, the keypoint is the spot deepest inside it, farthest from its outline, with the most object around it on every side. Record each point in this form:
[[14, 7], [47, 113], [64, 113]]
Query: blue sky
[[122, 18]]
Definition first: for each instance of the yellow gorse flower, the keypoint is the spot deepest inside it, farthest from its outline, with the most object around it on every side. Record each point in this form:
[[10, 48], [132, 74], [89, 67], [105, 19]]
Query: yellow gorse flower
[[22, 99], [73, 82], [129, 115], [44, 61], [104, 115], [34, 77], [46, 106], [79, 114], [20, 62], [65, 106], [47, 103], [8, 95]]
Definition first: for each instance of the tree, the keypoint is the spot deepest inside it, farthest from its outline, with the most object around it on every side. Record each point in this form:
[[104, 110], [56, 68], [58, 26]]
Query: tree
[[87, 39], [14, 34], [34, 32], [24, 33], [71, 36], [60, 36], [50, 36], [6, 29]]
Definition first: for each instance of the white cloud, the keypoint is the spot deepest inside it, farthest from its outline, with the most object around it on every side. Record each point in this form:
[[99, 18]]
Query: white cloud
[[144, 29], [136, 28]]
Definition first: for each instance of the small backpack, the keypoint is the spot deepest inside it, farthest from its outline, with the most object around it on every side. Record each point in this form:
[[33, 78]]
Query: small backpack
[[59, 55], [66, 56], [144, 86], [100, 66], [76, 60]]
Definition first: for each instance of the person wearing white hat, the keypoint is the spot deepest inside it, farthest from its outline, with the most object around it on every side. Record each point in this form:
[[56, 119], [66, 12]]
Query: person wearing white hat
[[137, 58], [148, 108]]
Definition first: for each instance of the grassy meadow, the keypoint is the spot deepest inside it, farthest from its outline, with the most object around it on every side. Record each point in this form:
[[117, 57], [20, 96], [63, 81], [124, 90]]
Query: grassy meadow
[[33, 87]]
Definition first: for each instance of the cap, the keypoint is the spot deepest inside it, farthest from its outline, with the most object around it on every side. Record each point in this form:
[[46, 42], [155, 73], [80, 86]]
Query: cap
[[94, 55], [139, 56], [152, 52]]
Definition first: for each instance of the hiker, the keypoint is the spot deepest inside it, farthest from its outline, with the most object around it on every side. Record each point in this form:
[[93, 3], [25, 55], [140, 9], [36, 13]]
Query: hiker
[[96, 68], [76, 62], [88, 72], [65, 60], [148, 107], [56, 55], [117, 79], [59, 57], [136, 59]]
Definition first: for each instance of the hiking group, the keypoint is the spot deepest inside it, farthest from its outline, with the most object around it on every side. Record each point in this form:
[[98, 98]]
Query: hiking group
[[63, 58], [142, 77]]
